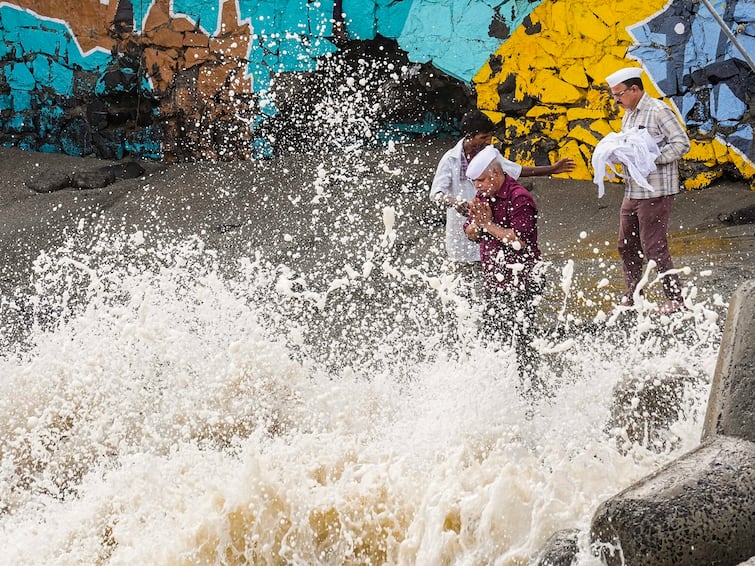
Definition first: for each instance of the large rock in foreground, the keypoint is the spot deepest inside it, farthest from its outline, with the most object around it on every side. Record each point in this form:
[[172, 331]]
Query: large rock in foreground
[[731, 407], [699, 509]]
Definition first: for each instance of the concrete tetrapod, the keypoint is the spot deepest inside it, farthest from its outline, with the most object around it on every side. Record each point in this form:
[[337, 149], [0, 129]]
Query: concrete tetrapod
[[699, 509]]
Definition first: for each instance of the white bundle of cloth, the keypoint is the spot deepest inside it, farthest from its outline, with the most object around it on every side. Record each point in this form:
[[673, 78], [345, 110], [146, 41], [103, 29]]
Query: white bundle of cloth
[[636, 151]]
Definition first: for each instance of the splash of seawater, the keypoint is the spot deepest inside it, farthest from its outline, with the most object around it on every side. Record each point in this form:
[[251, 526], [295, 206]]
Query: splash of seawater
[[163, 409], [161, 405]]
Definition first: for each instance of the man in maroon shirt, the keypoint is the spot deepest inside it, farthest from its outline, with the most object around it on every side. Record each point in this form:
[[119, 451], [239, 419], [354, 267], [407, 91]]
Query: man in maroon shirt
[[503, 219]]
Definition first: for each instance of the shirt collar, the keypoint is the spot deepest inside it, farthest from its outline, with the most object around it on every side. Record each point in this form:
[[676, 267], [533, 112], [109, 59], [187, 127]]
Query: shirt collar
[[643, 102]]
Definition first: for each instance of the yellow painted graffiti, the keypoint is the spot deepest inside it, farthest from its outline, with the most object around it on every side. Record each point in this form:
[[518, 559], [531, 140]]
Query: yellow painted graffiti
[[563, 68]]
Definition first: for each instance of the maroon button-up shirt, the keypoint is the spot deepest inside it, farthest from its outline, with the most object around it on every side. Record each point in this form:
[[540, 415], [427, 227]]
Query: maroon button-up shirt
[[513, 207]]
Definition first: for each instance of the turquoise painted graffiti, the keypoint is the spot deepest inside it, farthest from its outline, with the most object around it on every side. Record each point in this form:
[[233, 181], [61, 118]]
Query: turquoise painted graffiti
[[44, 54], [41, 44], [457, 41], [285, 36], [290, 36]]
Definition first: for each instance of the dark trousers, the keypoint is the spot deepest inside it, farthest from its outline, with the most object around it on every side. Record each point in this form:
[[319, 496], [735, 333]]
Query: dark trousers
[[643, 229], [510, 315], [470, 280]]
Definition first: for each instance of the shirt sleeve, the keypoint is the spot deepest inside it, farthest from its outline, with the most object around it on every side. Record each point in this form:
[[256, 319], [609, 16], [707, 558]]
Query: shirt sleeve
[[442, 182], [677, 142]]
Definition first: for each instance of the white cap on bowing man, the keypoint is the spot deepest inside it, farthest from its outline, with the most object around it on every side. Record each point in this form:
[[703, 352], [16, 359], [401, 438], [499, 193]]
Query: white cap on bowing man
[[623, 75], [480, 162]]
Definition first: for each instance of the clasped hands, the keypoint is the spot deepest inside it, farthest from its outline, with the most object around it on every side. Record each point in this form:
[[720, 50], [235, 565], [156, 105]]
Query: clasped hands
[[480, 213], [481, 221]]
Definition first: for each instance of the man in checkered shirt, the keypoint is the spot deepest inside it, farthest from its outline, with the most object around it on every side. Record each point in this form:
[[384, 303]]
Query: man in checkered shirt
[[644, 218]]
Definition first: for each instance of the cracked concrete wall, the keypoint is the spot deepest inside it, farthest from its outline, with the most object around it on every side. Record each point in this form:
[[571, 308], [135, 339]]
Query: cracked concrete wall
[[182, 78], [557, 93]]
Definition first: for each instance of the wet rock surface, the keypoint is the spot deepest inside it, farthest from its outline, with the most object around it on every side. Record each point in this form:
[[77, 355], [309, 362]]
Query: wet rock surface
[[731, 408], [699, 509], [254, 199], [315, 212], [48, 181]]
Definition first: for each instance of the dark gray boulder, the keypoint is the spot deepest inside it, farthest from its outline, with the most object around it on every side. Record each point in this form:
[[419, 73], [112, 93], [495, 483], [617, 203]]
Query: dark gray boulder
[[699, 509], [740, 216], [49, 181], [731, 407], [93, 179], [644, 408]]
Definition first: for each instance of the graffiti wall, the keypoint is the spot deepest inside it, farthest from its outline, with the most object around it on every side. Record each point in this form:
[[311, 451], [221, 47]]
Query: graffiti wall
[[205, 79], [557, 93]]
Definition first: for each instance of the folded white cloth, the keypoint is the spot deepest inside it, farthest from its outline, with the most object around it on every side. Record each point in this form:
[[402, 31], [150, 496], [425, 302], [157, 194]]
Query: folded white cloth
[[636, 151]]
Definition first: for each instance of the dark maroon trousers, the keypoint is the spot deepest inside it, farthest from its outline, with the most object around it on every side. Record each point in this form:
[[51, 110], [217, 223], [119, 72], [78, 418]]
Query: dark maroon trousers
[[643, 229]]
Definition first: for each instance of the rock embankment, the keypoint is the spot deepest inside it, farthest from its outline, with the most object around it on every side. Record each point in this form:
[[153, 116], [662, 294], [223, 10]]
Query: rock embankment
[[699, 509]]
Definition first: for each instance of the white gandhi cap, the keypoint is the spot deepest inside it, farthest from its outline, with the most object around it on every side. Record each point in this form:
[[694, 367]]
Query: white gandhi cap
[[623, 75], [480, 162]]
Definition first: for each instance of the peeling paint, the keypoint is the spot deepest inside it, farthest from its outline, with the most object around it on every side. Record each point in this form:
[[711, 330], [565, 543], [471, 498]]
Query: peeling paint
[[539, 66]]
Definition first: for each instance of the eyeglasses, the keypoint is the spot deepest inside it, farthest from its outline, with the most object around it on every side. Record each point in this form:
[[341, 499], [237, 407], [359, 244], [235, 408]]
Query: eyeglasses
[[618, 95]]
